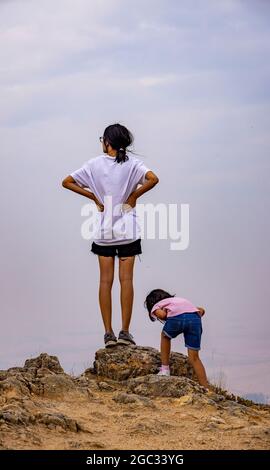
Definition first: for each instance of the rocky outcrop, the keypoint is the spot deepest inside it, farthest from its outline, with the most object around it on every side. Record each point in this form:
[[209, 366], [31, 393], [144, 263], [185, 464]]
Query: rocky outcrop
[[156, 386], [121, 363], [43, 365], [42, 375], [121, 402]]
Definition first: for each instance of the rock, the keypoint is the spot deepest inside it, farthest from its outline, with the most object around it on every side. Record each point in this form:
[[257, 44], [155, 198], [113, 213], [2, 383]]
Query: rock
[[13, 386], [43, 372], [95, 445], [42, 375], [57, 419], [56, 385], [162, 386], [218, 398], [86, 383], [235, 409], [217, 420], [105, 386], [92, 385], [185, 400], [74, 445], [209, 427], [16, 415], [127, 398], [45, 362], [89, 371], [123, 362]]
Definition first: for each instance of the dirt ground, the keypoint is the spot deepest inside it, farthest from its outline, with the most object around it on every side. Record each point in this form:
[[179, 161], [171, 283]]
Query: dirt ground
[[159, 423]]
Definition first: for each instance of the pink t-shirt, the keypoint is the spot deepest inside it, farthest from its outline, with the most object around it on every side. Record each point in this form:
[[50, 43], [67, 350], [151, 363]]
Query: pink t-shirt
[[174, 306]]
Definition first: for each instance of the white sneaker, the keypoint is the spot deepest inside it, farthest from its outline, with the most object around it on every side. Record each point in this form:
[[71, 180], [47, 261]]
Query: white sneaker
[[164, 372]]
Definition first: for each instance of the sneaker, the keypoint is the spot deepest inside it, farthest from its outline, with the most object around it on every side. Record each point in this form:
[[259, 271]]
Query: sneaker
[[164, 372], [125, 338], [110, 340]]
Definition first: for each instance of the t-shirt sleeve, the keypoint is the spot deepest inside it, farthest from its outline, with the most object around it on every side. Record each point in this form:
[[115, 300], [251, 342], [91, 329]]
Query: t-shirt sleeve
[[81, 176], [142, 169]]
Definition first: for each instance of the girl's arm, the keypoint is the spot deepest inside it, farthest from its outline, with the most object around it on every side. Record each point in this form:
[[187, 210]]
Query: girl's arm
[[151, 181], [70, 183], [160, 313]]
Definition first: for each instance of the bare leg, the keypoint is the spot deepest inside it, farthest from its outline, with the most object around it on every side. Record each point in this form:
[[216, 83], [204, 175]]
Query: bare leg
[[198, 367], [126, 282], [165, 349], [106, 265]]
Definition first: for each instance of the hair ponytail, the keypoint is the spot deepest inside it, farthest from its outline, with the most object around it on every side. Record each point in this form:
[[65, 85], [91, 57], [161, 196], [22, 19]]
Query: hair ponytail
[[121, 155]]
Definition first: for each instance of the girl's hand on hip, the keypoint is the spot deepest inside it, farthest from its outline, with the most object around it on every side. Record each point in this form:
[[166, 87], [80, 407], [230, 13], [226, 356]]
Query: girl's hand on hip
[[100, 206], [131, 200]]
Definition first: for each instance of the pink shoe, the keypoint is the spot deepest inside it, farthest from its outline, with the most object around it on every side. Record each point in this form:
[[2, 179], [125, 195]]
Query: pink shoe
[[164, 372]]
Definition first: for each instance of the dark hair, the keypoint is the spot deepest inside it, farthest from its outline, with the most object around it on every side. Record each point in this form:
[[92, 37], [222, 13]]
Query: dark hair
[[155, 296], [119, 137]]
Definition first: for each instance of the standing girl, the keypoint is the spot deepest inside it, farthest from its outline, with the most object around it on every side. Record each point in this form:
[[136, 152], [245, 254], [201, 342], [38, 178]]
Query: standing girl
[[114, 181]]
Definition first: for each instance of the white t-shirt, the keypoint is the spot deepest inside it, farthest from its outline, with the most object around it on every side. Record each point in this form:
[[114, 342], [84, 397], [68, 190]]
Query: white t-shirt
[[112, 183]]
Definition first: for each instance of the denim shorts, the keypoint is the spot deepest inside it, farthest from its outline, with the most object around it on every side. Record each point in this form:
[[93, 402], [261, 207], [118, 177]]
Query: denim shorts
[[122, 251], [190, 324]]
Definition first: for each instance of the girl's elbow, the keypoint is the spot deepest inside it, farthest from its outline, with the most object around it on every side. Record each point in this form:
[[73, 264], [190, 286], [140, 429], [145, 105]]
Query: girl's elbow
[[66, 181]]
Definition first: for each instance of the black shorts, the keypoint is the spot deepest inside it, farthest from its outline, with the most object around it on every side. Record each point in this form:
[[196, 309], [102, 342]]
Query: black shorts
[[122, 251]]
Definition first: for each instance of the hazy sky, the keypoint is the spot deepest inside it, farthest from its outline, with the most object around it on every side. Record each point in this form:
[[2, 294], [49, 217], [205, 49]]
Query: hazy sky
[[191, 81]]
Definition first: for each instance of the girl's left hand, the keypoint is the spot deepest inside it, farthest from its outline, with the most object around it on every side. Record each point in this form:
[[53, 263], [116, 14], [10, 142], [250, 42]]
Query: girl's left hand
[[131, 200]]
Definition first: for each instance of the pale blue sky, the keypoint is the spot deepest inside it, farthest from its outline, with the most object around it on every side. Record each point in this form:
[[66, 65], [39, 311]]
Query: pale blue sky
[[190, 80]]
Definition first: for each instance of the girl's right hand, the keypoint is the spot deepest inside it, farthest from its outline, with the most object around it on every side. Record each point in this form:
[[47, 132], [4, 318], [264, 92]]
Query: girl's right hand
[[161, 313], [100, 206], [201, 311]]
